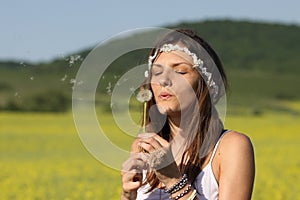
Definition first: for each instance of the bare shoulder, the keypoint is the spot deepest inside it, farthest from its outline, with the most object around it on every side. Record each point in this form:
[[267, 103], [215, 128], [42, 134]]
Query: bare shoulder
[[235, 151], [235, 147], [234, 140], [236, 166]]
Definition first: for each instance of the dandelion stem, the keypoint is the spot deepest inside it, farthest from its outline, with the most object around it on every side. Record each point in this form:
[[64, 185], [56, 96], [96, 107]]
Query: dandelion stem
[[144, 117]]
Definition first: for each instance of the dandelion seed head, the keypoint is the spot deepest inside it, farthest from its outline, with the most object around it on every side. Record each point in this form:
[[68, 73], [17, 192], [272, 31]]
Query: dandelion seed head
[[144, 95]]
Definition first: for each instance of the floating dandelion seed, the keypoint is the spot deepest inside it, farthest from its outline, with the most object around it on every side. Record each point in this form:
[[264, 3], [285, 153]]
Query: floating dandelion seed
[[108, 88], [112, 105], [73, 81], [64, 78], [23, 64], [79, 83], [72, 59], [16, 94], [63, 56], [132, 89], [32, 78]]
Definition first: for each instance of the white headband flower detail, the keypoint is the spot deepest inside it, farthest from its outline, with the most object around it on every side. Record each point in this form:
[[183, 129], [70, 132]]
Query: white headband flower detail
[[198, 64]]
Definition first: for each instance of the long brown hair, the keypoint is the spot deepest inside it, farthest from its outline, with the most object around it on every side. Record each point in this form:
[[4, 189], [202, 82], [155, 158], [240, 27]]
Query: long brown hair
[[208, 126]]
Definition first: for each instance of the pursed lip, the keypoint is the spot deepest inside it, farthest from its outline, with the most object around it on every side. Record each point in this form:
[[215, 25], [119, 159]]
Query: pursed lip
[[165, 95]]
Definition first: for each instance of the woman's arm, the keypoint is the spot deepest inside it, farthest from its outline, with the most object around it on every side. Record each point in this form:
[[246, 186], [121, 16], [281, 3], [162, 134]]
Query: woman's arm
[[236, 167], [132, 173]]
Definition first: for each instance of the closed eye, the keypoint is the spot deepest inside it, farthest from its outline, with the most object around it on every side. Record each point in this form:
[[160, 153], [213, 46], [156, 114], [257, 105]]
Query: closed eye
[[182, 68], [156, 73], [157, 69], [180, 72]]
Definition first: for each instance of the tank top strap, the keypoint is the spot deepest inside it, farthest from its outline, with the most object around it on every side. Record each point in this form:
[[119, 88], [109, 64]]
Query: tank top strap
[[216, 146]]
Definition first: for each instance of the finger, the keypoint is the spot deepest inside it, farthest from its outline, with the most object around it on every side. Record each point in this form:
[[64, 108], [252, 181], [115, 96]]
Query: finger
[[138, 177], [145, 135], [161, 141], [132, 184], [150, 145], [132, 176], [133, 164], [135, 161], [149, 136], [151, 141], [146, 146], [131, 181]]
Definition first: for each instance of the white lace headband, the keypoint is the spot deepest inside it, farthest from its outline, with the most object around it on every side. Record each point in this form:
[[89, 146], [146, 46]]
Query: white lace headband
[[198, 64]]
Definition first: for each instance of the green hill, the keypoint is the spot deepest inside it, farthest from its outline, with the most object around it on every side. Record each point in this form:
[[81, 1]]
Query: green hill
[[261, 60]]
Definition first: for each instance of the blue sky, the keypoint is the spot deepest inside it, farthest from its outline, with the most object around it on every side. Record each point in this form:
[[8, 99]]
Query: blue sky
[[36, 30]]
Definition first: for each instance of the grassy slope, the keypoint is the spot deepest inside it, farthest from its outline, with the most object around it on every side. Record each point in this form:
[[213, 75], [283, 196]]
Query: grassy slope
[[261, 61]]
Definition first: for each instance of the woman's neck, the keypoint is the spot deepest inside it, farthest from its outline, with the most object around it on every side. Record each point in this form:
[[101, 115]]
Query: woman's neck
[[176, 136], [178, 123], [174, 124]]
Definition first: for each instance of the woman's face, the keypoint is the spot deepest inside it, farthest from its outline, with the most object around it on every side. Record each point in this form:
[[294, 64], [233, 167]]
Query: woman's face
[[173, 82]]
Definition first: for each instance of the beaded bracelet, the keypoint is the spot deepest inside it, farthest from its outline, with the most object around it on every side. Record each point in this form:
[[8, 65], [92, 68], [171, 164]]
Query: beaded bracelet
[[177, 186], [183, 193], [180, 186]]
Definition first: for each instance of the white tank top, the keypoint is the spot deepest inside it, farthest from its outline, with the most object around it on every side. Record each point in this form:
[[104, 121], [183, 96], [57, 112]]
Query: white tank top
[[205, 184]]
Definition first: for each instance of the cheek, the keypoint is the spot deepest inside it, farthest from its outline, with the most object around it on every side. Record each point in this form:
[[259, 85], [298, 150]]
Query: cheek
[[186, 93], [154, 88], [185, 96]]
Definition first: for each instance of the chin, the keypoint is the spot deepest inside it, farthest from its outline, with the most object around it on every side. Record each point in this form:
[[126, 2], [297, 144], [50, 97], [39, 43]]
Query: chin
[[166, 110], [163, 110]]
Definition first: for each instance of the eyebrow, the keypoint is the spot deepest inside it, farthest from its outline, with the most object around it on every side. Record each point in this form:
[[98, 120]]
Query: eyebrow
[[157, 65], [173, 65]]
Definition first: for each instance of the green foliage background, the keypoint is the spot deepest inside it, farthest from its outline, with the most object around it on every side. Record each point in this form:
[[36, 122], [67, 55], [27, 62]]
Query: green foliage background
[[261, 61]]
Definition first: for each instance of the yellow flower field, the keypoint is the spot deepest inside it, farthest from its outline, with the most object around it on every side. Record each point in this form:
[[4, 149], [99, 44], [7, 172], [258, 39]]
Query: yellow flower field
[[42, 157]]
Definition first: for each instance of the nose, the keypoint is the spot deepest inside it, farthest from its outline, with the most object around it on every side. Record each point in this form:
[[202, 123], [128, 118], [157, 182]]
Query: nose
[[165, 81]]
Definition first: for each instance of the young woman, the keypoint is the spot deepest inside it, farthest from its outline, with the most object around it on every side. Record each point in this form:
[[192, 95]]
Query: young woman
[[186, 153]]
